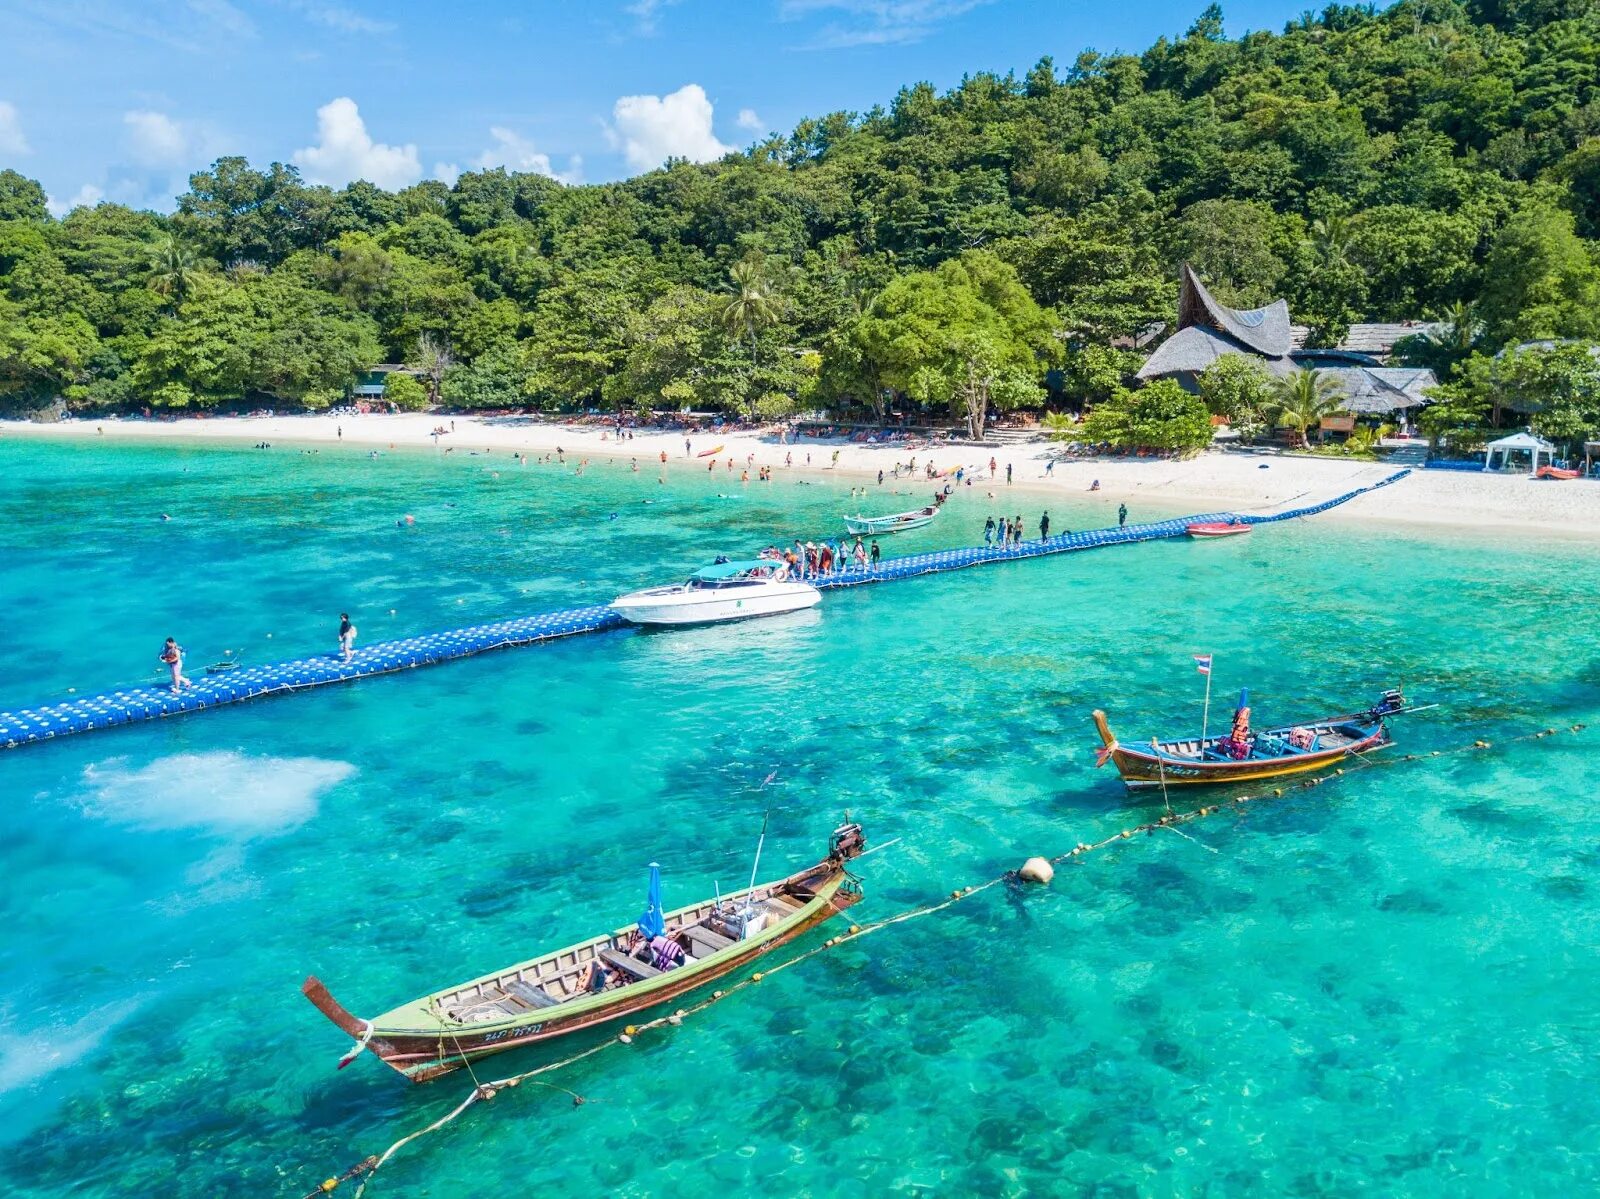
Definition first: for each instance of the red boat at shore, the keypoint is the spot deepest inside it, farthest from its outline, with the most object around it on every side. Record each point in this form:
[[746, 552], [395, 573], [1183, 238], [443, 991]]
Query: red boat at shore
[[1218, 528]]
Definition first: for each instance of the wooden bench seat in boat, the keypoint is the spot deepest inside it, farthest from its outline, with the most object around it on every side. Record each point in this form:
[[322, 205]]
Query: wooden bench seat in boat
[[705, 941], [629, 965], [533, 996]]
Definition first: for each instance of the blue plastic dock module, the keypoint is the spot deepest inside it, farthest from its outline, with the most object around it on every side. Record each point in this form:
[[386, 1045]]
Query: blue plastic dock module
[[136, 704]]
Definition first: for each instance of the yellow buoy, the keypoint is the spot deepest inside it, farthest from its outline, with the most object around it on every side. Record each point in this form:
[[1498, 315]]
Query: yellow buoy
[[756, 977]]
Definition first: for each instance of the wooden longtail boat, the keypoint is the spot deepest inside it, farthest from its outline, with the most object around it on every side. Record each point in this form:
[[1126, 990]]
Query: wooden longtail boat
[[545, 997], [1269, 753], [1555, 472], [899, 522]]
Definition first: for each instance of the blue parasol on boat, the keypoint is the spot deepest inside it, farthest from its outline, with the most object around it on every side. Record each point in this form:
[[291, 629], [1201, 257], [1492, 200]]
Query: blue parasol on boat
[[651, 921]]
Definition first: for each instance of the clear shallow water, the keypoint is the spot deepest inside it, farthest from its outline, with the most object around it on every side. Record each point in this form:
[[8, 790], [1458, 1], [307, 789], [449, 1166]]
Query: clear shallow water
[[1383, 985]]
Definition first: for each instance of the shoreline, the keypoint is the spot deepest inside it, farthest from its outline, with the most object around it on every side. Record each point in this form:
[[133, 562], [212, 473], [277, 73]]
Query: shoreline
[[1232, 480]]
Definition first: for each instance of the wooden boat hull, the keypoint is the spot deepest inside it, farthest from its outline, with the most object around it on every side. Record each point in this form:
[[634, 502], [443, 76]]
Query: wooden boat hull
[[1217, 529], [874, 526], [1555, 472], [417, 1041], [1181, 763]]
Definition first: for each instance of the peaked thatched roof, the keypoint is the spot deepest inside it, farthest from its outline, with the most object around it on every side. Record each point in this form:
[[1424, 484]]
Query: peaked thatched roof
[[1197, 347], [1264, 330], [1372, 390], [1207, 330]]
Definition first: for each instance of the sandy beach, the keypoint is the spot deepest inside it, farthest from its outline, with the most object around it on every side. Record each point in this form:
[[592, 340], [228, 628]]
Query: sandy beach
[[1233, 480]]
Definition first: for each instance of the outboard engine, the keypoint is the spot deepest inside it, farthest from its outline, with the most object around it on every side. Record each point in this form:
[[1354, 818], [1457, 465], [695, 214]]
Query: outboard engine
[[1389, 703], [846, 842]]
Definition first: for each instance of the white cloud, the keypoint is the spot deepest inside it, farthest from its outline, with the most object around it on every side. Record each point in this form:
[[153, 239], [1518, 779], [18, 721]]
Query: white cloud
[[646, 13], [87, 197], [446, 173], [345, 20], [876, 22], [12, 140], [225, 17], [515, 152], [345, 151], [749, 120], [155, 139], [651, 129]]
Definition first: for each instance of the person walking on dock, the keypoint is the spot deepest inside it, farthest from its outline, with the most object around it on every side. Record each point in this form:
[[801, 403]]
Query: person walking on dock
[[876, 554], [172, 655], [347, 637], [1122, 515], [988, 531], [1044, 527]]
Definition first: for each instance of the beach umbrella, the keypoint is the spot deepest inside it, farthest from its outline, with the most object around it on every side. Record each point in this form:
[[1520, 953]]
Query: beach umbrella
[[651, 921]]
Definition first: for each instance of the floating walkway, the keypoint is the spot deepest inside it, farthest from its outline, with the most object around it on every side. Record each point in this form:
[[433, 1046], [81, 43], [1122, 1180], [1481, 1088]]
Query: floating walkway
[[137, 704]]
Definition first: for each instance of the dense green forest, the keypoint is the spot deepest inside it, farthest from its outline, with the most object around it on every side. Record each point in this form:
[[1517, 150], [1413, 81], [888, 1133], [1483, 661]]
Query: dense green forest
[[1438, 158]]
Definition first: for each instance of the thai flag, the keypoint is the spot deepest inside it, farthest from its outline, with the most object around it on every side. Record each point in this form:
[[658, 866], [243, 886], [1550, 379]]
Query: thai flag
[[1202, 663]]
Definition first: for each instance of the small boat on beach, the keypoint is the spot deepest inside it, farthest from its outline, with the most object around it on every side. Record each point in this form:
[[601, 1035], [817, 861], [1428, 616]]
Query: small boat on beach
[[605, 978], [899, 522], [711, 453], [1218, 528], [723, 591], [1555, 472], [1244, 754]]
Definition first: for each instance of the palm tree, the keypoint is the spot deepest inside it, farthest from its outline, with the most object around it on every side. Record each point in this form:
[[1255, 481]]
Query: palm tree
[[1303, 398], [1456, 332], [1331, 236], [752, 303], [173, 268]]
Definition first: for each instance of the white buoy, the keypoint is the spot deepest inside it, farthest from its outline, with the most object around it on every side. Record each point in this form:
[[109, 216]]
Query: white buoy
[[1037, 870]]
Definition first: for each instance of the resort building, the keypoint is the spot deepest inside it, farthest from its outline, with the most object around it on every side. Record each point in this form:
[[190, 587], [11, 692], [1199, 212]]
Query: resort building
[[1208, 329]]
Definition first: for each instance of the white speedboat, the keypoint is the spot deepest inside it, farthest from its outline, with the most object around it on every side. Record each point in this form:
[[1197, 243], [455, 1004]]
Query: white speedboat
[[726, 591], [900, 522]]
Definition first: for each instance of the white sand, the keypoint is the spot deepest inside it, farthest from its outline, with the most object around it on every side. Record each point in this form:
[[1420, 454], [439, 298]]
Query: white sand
[[1232, 480]]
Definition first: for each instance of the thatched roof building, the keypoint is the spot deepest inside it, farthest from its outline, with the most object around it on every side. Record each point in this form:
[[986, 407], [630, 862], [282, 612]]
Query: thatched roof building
[[1208, 329]]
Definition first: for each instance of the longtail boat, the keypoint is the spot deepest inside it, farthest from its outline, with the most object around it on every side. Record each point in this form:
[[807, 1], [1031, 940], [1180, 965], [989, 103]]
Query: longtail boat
[[899, 522], [1243, 754], [559, 993]]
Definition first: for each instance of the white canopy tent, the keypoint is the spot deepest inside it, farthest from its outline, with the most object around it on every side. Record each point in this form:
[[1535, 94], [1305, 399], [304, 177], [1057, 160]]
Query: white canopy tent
[[1519, 443]]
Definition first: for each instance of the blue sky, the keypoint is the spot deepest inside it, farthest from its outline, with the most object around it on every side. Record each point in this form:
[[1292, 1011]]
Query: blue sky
[[121, 99]]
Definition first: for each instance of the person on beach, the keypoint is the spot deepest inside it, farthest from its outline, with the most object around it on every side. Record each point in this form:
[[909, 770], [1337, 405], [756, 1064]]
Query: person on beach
[[347, 637], [1044, 527], [172, 655], [788, 459], [832, 465], [687, 447], [341, 432], [1049, 468], [1008, 472], [988, 530], [992, 465], [880, 476], [1095, 486], [1122, 515]]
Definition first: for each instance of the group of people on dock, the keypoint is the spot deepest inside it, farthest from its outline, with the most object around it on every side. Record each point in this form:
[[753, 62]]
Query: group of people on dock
[[1005, 532], [809, 559]]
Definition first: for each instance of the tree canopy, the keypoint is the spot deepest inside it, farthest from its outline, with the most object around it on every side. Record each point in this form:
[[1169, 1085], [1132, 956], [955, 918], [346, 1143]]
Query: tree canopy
[[1436, 156]]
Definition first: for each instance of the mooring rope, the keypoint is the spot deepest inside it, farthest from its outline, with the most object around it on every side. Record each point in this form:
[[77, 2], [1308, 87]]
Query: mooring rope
[[483, 1091]]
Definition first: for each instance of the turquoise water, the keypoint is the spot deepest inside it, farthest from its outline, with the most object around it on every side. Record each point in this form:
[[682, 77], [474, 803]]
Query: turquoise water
[[1383, 986]]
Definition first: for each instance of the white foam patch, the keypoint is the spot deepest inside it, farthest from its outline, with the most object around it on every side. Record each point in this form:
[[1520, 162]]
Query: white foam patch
[[27, 1057], [224, 791]]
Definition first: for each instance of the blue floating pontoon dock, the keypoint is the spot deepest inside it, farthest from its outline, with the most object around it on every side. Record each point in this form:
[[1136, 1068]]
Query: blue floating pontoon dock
[[135, 704]]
